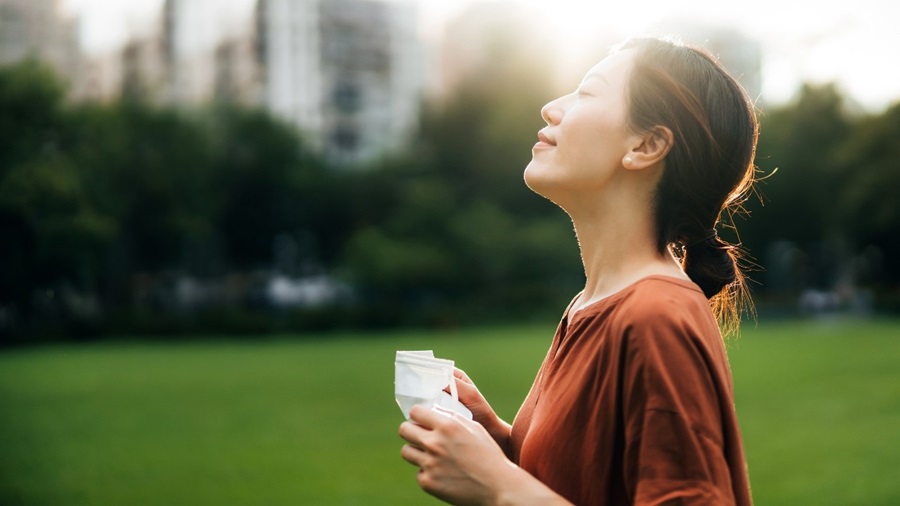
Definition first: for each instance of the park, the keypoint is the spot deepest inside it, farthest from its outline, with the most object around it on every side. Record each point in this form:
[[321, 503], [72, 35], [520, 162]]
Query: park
[[311, 419], [201, 305]]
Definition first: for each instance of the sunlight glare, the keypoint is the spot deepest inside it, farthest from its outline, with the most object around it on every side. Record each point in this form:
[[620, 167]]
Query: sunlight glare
[[854, 43]]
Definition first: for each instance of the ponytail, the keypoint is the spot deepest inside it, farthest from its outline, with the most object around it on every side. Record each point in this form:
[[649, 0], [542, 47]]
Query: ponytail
[[710, 264], [714, 266]]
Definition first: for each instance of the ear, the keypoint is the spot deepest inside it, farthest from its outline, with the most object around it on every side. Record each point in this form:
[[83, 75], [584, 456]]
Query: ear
[[648, 149]]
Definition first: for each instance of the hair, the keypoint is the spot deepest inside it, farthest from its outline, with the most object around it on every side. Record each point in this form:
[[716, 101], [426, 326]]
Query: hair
[[709, 168]]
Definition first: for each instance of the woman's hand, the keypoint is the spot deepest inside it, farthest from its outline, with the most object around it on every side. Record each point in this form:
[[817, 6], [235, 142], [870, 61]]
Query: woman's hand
[[482, 412], [460, 463]]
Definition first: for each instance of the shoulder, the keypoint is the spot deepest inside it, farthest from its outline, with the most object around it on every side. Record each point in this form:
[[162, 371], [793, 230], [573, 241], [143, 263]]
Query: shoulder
[[663, 309], [674, 356], [661, 297], [654, 314]]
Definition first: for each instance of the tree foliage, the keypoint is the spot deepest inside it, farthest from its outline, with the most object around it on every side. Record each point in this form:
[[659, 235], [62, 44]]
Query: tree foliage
[[100, 203]]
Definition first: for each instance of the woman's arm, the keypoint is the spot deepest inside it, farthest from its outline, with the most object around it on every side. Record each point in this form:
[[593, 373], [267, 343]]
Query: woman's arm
[[460, 462]]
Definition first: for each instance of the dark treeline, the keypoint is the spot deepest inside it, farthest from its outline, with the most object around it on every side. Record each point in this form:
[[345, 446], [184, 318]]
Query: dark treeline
[[127, 218]]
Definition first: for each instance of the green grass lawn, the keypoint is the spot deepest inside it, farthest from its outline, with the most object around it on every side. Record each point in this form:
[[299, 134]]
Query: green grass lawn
[[313, 420]]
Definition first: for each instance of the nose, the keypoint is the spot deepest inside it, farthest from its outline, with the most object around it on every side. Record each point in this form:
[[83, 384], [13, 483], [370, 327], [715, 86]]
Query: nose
[[552, 113]]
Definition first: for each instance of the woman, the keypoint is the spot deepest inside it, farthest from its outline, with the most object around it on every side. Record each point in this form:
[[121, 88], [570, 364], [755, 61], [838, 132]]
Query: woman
[[633, 403]]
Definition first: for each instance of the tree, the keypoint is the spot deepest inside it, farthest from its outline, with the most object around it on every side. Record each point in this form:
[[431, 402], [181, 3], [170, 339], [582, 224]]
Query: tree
[[798, 171], [31, 113], [800, 141], [42, 204], [464, 233], [869, 175]]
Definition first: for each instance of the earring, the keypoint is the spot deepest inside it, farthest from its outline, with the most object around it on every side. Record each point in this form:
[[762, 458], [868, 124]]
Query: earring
[[627, 160]]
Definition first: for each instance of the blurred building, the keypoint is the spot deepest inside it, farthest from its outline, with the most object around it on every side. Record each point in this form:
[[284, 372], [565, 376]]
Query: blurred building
[[37, 29], [206, 55], [237, 77], [347, 73], [142, 73], [187, 56], [99, 79]]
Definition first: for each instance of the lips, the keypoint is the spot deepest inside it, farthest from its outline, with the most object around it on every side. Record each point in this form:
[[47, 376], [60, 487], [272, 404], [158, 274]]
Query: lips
[[543, 138]]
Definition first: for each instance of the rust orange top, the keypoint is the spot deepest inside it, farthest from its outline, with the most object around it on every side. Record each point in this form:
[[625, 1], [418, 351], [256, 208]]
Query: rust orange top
[[634, 404]]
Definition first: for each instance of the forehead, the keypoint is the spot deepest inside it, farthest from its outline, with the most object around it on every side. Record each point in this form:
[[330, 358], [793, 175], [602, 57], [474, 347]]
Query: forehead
[[614, 68]]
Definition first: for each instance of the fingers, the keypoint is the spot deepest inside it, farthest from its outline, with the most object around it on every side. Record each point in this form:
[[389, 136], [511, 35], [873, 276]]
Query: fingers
[[422, 421], [413, 455], [413, 434], [426, 428], [427, 418], [461, 375]]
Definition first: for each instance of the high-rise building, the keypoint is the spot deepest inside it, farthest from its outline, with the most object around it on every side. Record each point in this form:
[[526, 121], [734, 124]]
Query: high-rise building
[[141, 70], [347, 73], [37, 29], [237, 78], [189, 38], [189, 55]]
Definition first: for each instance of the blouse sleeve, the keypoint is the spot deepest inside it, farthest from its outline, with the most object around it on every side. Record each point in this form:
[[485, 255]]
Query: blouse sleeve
[[672, 415]]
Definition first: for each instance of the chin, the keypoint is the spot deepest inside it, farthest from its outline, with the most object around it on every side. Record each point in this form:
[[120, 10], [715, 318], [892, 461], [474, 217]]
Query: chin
[[538, 179], [546, 183], [533, 178]]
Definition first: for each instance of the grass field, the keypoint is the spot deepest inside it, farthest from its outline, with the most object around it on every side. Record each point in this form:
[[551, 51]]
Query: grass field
[[312, 421]]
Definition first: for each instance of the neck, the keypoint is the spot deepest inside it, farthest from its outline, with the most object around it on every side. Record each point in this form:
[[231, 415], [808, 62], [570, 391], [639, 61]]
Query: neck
[[618, 246]]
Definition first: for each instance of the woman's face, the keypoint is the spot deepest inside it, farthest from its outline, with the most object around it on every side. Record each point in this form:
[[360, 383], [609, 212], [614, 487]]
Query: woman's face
[[587, 135]]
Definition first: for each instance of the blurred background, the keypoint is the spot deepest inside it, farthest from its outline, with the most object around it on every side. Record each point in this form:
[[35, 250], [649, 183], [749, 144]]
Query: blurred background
[[249, 166], [288, 190]]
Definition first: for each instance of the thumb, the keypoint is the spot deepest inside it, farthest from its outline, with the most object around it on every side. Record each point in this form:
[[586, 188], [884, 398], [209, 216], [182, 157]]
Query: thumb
[[461, 375], [469, 395], [467, 391]]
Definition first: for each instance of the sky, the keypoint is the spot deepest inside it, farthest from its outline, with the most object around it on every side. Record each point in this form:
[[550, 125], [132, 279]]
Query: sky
[[855, 44]]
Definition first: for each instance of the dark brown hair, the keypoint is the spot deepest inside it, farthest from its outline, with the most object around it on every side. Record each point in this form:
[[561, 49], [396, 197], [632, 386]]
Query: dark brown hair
[[709, 168]]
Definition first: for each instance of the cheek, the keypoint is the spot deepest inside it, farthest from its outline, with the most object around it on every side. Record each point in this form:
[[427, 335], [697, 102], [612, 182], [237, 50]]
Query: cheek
[[586, 151], [597, 145]]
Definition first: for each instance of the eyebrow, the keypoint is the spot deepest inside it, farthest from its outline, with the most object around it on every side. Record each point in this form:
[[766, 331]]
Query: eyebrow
[[595, 76]]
